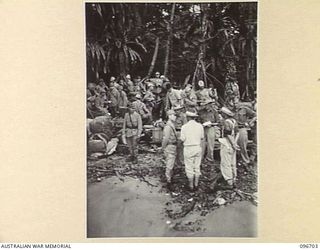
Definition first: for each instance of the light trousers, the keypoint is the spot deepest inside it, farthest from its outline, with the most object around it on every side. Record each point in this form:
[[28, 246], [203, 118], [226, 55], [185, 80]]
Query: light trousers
[[210, 136], [170, 154], [192, 160], [242, 143]]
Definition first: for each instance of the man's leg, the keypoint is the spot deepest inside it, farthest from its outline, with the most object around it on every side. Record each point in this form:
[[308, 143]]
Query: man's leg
[[170, 154], [188, 161], [197, 163], [211, 136], [226, 164], [242, 142], [203, 145], [130, 146], [134, 149]]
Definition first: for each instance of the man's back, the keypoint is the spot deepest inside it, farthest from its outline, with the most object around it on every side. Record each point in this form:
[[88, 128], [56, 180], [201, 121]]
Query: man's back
[[192, 133]]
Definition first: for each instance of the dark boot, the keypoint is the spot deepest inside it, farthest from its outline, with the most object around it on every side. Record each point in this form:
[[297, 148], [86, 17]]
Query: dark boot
[[169, 186], [129, 159], [135, 160]]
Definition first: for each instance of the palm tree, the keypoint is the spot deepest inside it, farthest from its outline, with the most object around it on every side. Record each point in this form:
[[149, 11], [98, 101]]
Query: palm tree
[[117, 44]]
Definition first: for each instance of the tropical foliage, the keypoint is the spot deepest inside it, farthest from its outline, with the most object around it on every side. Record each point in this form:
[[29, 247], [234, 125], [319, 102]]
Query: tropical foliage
[[209, 41]]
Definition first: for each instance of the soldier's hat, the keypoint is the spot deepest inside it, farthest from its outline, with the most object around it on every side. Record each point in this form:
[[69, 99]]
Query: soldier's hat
[[191, 114], [178, 107], [227, 111], [207, 102], [201, 83], [171, 112]]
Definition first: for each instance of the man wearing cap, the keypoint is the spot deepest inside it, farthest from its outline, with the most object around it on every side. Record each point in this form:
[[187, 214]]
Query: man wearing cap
[[131, 131], [112, 80], [169, 146], [142, 109], [129, 84], [210, 118], [123, 100], [102, 85], [245, 117], [114, 97], [192, 135], [204, 94], [139, 85], [149, 98], [181, 119], [228, 147], [189, 98], [173, 97], [232, 93]]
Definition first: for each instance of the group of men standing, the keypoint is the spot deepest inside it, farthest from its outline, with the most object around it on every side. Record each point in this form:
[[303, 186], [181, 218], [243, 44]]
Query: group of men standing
[[196, 122], [205, 126]]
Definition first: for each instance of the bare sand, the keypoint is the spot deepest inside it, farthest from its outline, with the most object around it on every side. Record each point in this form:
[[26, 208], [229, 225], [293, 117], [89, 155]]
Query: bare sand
[[131, 208]]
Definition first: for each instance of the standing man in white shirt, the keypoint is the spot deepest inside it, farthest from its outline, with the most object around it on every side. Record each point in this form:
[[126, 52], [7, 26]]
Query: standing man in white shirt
[[192, 135]]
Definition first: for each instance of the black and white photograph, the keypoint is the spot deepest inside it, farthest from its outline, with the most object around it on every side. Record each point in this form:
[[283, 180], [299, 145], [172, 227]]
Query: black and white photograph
[[171, 119]]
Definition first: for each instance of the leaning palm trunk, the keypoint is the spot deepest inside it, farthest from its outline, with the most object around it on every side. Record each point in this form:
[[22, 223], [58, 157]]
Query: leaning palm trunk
[[169, 27], [204, 10], [154, 58]]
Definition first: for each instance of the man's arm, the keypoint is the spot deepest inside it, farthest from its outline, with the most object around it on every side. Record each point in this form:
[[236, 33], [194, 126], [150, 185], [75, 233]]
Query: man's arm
[[165, 139], [125, 102], [202, 133], [139, 125], [124, 127], [182, 134]]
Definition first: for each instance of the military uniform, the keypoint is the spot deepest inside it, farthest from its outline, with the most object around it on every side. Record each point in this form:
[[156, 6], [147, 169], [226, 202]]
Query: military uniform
[[228, 147], [114, 96], [243, 114], [179, 122], [132, 129], [205, 95], [169, 145], [173, 99], [142, 109], [209, 114], [232, 94], [189, 99]]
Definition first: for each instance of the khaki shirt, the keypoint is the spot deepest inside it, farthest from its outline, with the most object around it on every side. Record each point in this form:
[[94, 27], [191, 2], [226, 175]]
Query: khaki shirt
[[243, 115], [209, 115], [140, 107], [132, 125], [205, 95], [173, 99], [149, 96], [123, 101], [169, 135], [114, 97], [189, 99]]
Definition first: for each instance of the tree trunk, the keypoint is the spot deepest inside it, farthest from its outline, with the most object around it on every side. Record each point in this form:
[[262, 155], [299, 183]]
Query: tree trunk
[[169, 28], [204, 10], [122, 64], [154, 58]]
